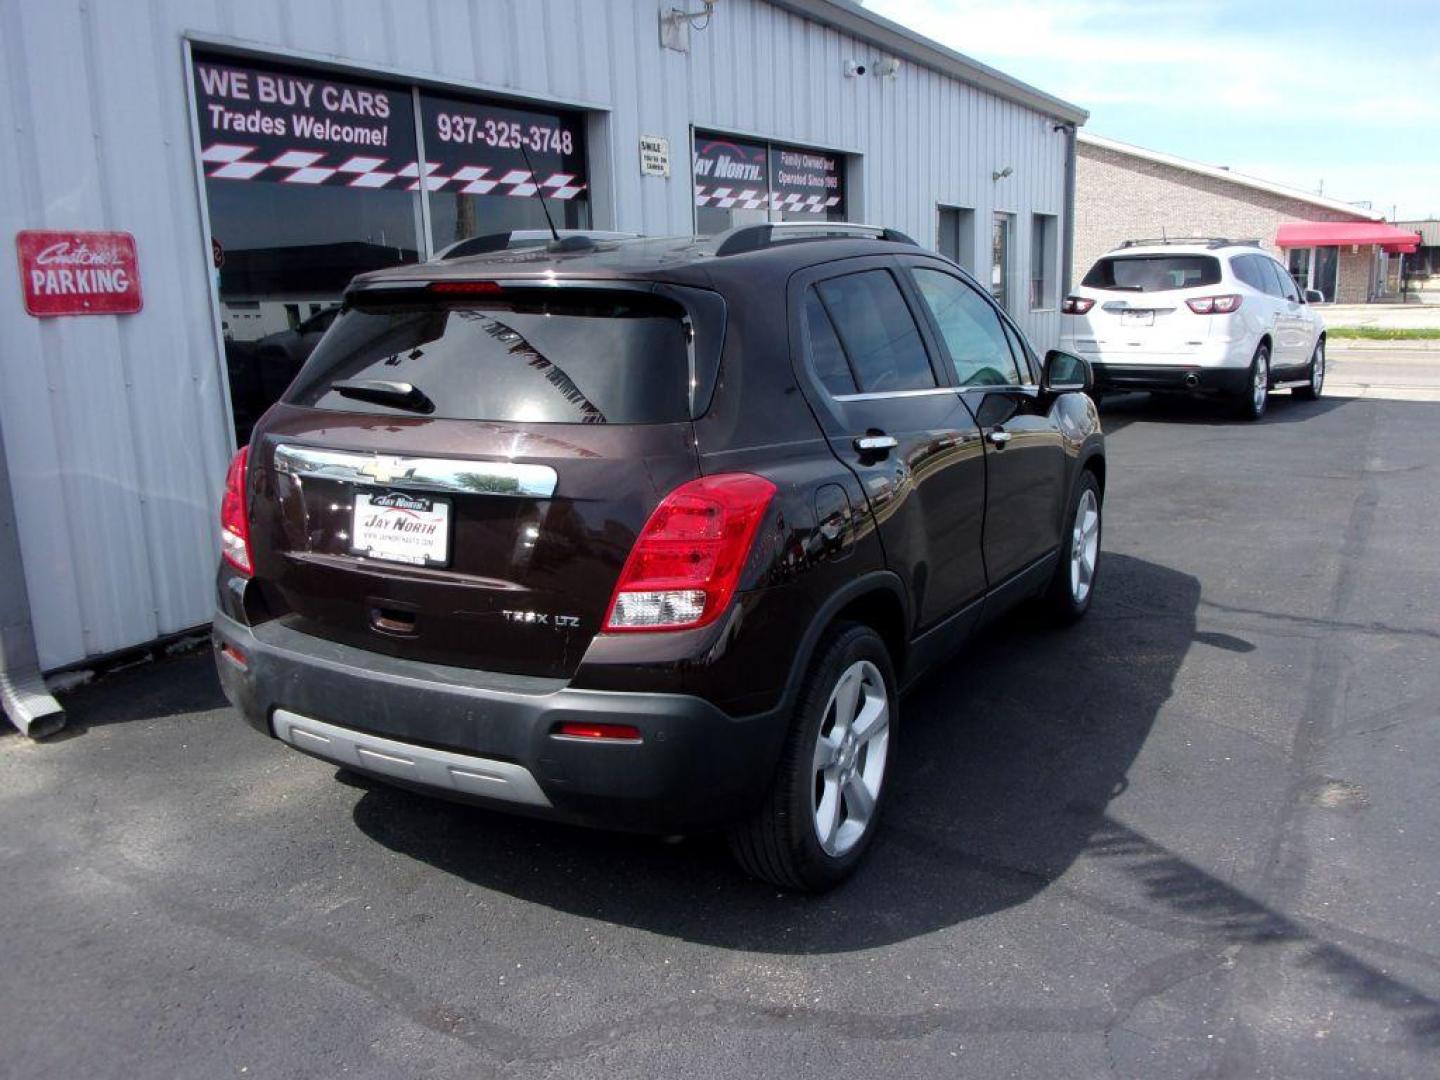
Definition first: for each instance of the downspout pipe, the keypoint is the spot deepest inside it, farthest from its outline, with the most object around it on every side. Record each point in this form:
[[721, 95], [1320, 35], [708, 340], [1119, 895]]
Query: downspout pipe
[[1068, 232], [24, 697]]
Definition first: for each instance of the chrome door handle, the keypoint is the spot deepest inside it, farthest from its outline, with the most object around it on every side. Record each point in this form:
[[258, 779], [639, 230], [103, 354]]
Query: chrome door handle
[[999, 438], [870, 444]]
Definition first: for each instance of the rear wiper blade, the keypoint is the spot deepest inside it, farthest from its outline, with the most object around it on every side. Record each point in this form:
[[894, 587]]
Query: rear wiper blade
[[401, 395], [1124, 288]]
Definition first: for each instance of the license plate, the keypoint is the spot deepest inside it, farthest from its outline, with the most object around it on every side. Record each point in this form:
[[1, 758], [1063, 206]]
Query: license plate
[[1137, 318], [397, 527]]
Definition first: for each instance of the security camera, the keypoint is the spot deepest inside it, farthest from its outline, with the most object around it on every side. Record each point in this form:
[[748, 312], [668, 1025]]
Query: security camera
[[887, 68], [853, 69]]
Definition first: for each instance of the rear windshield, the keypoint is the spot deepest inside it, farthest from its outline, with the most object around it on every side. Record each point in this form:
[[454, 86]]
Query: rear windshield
[[582, 357], [1153, 273]]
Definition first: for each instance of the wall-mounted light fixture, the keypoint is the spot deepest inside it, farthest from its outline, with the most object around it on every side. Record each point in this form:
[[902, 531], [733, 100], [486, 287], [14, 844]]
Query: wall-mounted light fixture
[[887, 68], [676, 24], [1002, 173]]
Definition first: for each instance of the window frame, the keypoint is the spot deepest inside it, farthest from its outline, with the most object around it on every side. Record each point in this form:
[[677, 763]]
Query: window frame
[[1010, 330], [801, 362], [942, 377]]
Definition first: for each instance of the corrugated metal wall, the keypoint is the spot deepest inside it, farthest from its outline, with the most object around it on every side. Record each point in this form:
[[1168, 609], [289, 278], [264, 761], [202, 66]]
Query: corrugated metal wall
[[116, 428]]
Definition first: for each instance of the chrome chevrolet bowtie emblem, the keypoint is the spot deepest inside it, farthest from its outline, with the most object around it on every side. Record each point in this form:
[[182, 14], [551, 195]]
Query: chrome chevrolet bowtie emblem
[[384, 469]]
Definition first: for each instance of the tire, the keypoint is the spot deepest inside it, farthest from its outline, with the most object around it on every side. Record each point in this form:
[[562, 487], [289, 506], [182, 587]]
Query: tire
[[1317, 375], [1254, 397], [804, 836], [1073, 586]]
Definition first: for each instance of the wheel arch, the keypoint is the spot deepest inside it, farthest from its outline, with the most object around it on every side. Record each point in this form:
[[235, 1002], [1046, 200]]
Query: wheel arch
[[876, 599]]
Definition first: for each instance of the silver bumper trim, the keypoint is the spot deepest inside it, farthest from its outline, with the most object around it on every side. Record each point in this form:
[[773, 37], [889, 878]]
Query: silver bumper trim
[[440, 769]]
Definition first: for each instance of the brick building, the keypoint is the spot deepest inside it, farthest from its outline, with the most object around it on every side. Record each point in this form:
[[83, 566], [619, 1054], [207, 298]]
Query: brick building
[[1123, 192]]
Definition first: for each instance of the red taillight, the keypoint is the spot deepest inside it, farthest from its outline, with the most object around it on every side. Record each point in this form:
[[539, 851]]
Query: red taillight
[[1214, 305], [234, 525], [687, 561], [1076, 305], [484, 288], [612, 732]]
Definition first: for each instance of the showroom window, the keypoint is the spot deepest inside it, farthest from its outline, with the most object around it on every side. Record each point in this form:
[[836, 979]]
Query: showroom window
[[312, 179], [743, 182], [480, 179]]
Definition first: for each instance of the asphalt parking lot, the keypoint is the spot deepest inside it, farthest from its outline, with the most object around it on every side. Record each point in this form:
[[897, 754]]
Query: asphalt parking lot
[[1193, 836]]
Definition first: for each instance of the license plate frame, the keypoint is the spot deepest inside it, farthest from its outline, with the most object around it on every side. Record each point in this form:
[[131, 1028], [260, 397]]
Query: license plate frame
[[406, 542]]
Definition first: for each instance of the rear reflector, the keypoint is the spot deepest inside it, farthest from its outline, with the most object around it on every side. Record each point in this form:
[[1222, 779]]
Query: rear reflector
[[1214, 305], [234, 522], [484, 288], [611, 732], [1076, 305], [687, 561], [235, 656]]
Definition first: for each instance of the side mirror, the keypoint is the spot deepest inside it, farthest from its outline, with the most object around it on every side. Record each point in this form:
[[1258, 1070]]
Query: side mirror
[[1314, 296], [1064, 373]]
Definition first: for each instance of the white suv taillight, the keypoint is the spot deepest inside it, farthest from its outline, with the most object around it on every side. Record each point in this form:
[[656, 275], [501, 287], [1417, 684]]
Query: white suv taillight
[[234, 525], [687, 561], [1076, 305], [1214, 305]]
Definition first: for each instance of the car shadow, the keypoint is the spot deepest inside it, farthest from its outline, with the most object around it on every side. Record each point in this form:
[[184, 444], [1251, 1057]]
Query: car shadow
[[1007, 761], [1119, 411]]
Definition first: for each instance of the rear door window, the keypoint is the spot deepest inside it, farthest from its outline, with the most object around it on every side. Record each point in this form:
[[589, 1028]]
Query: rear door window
[[1248, 269], [590, 356], [826, 354], [971, 330], [1153, 273], [879, 335], [1273, 277]]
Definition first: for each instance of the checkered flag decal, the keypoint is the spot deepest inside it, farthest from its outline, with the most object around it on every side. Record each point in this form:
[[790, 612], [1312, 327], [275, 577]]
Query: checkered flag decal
[[724, 198], [229, 161]]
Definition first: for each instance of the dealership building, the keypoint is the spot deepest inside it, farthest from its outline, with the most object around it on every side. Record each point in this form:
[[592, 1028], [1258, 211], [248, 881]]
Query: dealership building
[[189, 184]]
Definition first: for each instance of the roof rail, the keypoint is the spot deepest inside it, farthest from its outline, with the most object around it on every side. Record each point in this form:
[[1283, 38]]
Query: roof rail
[[744, 238], [1208, 241]]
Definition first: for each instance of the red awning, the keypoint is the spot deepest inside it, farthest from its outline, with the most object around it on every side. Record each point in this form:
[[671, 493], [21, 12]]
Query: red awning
[[1325, 233]]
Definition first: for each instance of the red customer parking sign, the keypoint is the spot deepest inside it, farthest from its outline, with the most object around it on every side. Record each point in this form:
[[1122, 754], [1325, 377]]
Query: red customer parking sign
[[79, 273]]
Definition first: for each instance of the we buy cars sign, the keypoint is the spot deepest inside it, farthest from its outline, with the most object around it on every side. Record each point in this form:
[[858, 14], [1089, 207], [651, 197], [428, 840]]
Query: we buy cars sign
[[79, 273]]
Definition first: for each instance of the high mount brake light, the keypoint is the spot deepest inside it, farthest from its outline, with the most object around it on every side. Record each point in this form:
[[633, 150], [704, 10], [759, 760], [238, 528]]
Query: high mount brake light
[[1076, 305], [234, 522], [687, 560], [466, 288], [1214, 305]]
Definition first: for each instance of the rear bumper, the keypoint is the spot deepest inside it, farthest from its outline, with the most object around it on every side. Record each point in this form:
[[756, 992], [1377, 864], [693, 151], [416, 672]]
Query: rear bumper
[[1170, 378], [489, 738]]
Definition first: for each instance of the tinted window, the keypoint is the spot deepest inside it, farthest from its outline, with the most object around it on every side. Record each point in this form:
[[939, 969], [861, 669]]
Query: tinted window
[[581, 358], [1023, 356], [878, 332], [971, 329], [825, 352], [1275, 278], [1248, 269], [1153, 273], [1287, 283]]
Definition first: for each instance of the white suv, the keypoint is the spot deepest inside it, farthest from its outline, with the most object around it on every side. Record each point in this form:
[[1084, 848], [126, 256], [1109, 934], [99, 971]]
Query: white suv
[[1197, 316]]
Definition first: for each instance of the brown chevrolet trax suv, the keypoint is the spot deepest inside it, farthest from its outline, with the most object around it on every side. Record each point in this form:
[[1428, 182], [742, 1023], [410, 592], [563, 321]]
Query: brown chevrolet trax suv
[[652, 534]]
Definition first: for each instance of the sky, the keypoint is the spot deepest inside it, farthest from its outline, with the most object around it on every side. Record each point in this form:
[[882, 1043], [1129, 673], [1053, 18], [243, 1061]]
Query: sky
[[1339, 98]]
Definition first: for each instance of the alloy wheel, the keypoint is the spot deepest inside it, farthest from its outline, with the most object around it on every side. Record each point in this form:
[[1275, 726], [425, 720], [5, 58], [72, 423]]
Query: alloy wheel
[[1262, 383], [849, 760], [1317, 368], [1084, 546]]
